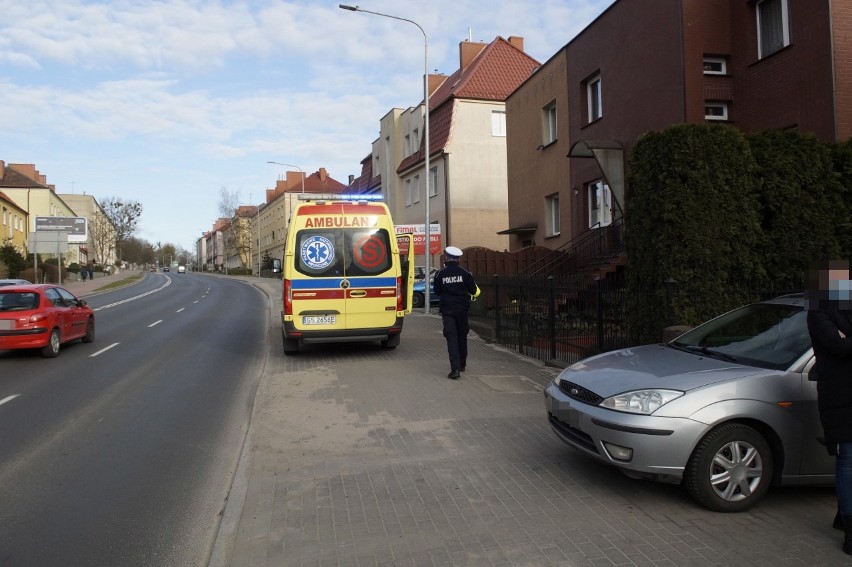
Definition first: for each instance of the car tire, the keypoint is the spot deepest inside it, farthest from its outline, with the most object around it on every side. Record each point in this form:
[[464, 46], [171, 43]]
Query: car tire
[[730, 469], [418, 299], [51, 349], [291, 346], [391, 342], [90, 332]]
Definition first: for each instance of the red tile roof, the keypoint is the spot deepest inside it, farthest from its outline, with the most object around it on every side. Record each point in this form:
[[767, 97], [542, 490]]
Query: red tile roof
[[366, 182], [492, 75]]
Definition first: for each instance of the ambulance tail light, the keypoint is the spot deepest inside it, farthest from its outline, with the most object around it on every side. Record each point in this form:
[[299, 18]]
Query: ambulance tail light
[[288, 298], [400, 305]]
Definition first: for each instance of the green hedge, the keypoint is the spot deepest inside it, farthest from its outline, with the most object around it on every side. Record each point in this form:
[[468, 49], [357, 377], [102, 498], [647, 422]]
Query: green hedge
[[712, 208]]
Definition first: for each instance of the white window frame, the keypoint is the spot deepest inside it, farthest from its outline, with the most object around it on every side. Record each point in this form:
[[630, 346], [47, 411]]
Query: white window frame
[[551, 211], [713, 61], [415, 140], [498, 123], [600, 204], [722, 106], [549, 122], [415, 197], [407, 146], [761, 9], [408, 192], [433, 181], [594, 98]]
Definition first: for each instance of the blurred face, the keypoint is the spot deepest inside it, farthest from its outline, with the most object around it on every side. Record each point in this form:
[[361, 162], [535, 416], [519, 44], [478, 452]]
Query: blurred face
[[837, 274]]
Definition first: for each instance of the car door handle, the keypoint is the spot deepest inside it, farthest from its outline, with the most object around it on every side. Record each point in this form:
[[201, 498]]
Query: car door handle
[[357, 293]]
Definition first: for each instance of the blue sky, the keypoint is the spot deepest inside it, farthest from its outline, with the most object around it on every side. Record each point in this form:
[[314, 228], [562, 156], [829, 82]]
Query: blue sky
[[169, 101]]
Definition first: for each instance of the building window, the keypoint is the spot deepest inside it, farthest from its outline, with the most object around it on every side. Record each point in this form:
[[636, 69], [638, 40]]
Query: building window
[[715, 66], [407, 192], [498, 123], [415, 191], [548, 124], [593, 98], [433, 181], [415, 141], [407, 148], [773, 27], [715, 110], [551, 205], [600, 204]]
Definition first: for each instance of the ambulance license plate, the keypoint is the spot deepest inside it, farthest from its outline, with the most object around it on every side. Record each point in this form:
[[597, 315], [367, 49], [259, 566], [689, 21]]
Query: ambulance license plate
[[319, 320]]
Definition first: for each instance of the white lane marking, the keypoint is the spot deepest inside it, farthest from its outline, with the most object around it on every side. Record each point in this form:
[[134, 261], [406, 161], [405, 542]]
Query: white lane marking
[[181, 309], [155, 323], [134, 298], [196, 301], [103, 350], [8, 398]]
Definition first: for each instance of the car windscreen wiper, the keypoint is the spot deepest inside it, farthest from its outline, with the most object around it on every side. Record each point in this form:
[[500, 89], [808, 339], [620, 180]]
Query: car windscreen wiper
[[709, 352]]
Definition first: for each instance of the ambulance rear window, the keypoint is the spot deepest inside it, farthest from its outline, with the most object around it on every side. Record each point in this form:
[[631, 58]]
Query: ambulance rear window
[[343, 252]]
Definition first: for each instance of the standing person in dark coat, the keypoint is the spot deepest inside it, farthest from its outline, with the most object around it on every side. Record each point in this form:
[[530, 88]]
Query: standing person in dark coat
[[830, 328], [455, 285]]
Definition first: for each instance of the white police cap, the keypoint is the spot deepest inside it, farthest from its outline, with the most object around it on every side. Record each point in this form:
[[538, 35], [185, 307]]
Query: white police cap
[[453, 251]]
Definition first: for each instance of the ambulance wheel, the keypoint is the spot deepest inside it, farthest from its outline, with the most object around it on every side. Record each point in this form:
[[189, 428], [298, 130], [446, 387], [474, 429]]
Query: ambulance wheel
[[391, 342], [291, 346]]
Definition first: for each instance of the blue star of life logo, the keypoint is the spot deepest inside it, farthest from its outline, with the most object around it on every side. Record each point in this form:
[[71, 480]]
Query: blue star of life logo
[[317, 252]]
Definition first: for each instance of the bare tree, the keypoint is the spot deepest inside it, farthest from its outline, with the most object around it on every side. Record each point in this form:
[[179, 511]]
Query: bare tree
[[103, 237], [124, 216]]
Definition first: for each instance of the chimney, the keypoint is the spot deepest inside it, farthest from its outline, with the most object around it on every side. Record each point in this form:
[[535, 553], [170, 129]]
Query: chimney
[[517, 42], [323, 174], [435, 81], [351, 178], [468, 50], [2, 169]]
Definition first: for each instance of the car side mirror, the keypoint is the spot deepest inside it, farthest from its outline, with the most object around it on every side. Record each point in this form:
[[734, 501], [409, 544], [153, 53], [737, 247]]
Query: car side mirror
[[276, 266]]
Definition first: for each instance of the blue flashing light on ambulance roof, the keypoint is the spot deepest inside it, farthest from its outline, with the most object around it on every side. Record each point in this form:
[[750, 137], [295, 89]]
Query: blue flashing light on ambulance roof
[[339, 197]]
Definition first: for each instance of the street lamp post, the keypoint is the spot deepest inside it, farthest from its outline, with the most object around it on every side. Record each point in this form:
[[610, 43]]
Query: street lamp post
[[427, 252], [297, 167]]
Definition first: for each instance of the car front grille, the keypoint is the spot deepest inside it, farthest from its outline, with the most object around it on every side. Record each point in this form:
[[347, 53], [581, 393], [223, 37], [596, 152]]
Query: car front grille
[[579, 393]]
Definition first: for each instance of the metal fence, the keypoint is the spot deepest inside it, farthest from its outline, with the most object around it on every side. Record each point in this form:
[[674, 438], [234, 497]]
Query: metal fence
[[562, 321]]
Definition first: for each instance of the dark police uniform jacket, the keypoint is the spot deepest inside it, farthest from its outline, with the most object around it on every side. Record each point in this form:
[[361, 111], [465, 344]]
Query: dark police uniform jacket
[[455, 285]]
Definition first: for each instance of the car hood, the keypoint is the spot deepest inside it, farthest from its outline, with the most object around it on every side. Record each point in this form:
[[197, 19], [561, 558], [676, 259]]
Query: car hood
[[652, 366]]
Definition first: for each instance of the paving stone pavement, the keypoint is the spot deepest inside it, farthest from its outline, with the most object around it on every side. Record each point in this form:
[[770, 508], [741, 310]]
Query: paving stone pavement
[[359, 456]]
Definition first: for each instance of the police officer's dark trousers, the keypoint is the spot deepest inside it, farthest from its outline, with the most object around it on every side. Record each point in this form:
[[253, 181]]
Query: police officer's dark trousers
[[455, 331]]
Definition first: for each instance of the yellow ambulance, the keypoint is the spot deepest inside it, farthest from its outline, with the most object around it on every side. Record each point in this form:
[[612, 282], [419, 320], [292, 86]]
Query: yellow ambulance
[[344, 277]]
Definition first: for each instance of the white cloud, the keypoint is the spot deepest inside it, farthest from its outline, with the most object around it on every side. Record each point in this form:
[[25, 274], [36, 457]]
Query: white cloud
[[168, 100]]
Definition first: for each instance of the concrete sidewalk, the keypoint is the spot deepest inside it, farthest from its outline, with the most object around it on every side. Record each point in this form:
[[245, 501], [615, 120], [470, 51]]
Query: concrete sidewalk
[[362, 456]]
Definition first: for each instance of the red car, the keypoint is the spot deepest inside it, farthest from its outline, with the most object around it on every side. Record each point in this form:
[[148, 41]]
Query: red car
[[43, 316]]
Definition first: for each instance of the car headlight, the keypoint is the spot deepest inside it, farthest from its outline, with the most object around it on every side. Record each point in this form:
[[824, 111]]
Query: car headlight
[[641, 401]]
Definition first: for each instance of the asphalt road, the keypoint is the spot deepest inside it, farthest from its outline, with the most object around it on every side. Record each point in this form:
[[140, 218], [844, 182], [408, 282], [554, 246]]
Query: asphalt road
[[122, 451]]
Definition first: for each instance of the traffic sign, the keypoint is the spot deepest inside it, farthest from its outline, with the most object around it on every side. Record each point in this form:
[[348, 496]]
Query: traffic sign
[[76, 227]]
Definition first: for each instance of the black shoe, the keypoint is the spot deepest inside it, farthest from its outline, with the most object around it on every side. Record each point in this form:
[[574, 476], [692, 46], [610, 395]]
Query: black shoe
[[847, 534], [462, 368], [454, 375], [838, 522]]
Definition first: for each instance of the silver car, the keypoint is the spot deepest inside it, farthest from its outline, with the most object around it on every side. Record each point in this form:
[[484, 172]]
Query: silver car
[[726, 409]]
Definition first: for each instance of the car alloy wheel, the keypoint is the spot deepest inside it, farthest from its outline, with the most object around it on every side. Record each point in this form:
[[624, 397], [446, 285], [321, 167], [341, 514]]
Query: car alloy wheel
[[730, 469], [51, 349]]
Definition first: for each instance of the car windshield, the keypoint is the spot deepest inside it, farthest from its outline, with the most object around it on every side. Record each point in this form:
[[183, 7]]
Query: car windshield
[[18, 300], [766, 335]]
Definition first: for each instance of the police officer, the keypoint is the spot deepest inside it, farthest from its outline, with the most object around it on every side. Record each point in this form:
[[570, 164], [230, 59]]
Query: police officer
[[455, 285]]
